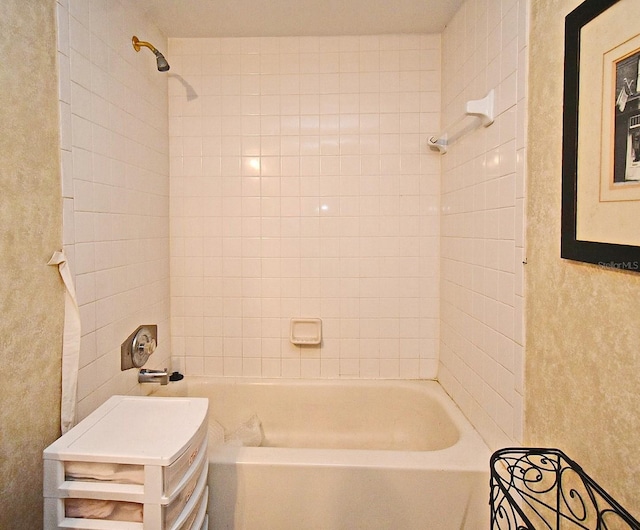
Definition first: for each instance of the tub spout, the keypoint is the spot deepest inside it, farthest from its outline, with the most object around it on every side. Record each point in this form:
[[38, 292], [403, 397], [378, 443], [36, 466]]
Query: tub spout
[[153, 376]]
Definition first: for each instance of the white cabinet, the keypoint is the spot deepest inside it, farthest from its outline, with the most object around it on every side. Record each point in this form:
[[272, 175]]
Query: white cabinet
[[135, 463]]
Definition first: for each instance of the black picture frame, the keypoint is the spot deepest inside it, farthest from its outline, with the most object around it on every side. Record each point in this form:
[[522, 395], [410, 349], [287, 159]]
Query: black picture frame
[[609, 255]]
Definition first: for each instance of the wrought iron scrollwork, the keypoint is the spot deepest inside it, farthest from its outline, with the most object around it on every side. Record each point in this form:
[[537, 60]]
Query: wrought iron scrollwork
[[542, 489]]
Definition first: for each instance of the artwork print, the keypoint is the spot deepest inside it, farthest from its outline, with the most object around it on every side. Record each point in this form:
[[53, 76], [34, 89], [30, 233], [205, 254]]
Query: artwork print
[[626, 160]]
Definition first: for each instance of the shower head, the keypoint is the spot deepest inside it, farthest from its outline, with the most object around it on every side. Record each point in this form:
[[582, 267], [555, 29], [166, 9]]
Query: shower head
[[162, 63]]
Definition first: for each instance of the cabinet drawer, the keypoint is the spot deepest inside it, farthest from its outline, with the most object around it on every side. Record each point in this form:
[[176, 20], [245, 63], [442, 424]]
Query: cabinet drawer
[[196, 508], [174, 473], [178, 505]]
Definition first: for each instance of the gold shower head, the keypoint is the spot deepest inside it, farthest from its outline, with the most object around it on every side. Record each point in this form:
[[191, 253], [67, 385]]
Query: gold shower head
[[163, 65]]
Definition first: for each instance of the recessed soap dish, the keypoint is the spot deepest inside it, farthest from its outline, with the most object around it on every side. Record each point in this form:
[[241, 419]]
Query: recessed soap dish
[[305, 331]]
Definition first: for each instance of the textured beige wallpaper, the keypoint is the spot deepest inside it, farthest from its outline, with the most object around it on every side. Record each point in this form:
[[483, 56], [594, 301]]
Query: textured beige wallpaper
[[31, 295], [583, 321]]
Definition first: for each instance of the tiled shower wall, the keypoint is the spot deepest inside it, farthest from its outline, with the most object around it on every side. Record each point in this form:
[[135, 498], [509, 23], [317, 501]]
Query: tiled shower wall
[[301, 186], [115, 187], [483, 195]]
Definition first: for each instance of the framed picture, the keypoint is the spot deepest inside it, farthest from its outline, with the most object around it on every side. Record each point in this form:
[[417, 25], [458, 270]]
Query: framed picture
[[601, 135]]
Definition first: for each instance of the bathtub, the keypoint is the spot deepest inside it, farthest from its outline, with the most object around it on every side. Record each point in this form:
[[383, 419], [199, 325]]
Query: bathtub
[[343, 454]]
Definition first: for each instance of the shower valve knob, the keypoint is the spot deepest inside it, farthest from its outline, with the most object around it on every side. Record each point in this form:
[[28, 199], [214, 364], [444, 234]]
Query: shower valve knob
[[148, 347], [135, 351]]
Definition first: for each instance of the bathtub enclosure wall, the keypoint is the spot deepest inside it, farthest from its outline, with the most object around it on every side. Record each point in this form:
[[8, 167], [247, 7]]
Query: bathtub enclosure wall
[[290, 177], [302, 186], [482, 233], [115, 187]]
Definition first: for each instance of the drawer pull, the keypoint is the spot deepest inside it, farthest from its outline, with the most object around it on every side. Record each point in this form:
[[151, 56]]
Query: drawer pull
[[193, 456]]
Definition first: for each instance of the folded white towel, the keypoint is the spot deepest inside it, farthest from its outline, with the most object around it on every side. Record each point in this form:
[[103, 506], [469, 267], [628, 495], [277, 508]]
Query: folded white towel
[[119, 473], [88, 508], [127, 511], [103, 509]]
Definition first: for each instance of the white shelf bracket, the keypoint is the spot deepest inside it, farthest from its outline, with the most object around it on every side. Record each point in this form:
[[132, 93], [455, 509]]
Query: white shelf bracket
[[482, 108]]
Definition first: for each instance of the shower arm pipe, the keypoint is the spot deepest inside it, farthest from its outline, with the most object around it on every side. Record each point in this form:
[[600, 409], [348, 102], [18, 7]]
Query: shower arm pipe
[[137, 44], [482, 109]]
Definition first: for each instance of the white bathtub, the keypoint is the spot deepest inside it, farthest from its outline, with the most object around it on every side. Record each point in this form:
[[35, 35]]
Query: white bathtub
[[371, 455]]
